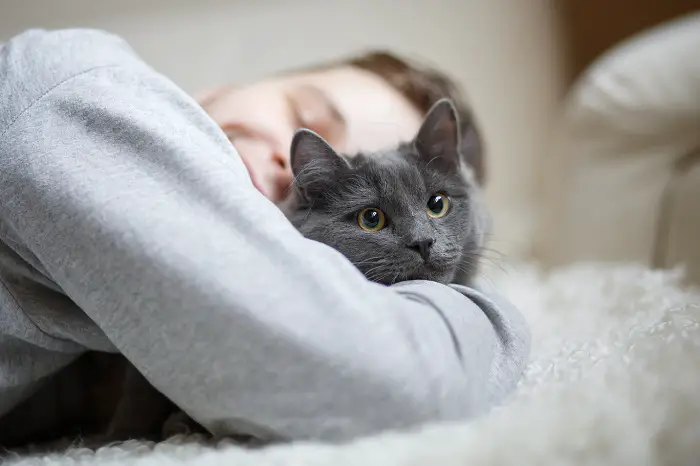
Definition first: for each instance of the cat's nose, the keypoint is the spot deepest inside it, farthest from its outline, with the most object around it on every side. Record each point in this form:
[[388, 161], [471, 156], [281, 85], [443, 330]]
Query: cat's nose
[[422, 246]]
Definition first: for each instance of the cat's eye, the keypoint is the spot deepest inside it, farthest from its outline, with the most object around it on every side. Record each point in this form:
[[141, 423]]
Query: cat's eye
[[438, 205], [371, 219]]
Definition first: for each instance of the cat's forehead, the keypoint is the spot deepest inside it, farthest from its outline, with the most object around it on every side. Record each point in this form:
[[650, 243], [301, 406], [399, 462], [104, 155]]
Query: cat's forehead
[[401, 167], [388, 171], [391, 179], [394, 179]]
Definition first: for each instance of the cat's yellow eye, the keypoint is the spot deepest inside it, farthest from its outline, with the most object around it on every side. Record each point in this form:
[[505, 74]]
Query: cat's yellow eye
[[371, 219], [438, 205]]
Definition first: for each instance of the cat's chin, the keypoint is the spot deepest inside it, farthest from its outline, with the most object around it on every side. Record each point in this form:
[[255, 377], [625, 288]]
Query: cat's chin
[[430, 273]]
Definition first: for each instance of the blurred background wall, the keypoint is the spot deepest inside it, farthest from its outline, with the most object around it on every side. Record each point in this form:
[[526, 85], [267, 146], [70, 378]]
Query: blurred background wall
[[515, 59], [591, 27], [507, 54]]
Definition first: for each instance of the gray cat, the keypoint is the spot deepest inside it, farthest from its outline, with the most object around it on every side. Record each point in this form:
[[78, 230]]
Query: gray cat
[[414, 212]]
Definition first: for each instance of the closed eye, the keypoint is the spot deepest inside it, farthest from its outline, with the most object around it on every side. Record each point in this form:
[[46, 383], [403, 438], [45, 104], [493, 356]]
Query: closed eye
[[311, 108]]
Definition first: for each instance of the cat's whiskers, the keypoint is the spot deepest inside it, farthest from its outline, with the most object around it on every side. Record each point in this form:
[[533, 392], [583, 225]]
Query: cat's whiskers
[[467, 270], [384, 268], [480, 272], [492, 250], [500, 258], [484, 259], [396, 276], [431, 161], [377, 259], [495, 257], [308, 212], [372, 274], [375, 274]]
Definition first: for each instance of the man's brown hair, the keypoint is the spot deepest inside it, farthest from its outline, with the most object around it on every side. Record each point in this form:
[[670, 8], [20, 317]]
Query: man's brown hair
[[423, 86]]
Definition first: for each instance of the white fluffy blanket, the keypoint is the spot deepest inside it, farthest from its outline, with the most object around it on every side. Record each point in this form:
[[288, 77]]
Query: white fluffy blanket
[[614, 379]]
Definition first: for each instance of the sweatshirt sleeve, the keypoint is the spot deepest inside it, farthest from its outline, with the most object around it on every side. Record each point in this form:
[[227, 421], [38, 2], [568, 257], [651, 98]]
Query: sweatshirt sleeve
[[140, 211]]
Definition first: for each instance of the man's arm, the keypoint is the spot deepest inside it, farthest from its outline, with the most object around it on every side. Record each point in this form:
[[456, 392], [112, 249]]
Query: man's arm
[[137, 206]]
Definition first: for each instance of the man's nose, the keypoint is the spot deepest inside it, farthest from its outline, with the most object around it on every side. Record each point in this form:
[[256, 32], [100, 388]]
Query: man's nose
[[281, 175]]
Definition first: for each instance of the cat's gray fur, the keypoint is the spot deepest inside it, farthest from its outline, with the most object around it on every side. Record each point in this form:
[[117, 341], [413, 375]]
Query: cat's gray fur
[[329, 191]]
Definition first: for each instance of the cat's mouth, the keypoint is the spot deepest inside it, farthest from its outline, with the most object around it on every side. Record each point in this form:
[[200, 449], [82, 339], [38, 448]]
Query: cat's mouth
[[441, 273], [390, 273]]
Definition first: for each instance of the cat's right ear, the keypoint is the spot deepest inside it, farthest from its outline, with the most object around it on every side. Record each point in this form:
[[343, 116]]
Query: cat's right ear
[[312, 157]]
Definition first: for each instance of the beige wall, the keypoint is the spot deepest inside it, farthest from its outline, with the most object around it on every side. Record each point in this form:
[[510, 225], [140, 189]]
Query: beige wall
[[507, 54]]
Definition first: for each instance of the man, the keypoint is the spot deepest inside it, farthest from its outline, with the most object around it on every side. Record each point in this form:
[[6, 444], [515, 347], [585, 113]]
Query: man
[[130, 224]]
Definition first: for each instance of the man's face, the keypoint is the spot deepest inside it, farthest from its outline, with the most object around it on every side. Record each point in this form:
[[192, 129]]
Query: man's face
[[352, 109]]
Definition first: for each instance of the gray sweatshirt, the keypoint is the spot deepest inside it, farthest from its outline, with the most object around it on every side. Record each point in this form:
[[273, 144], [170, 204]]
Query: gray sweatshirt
[[129, 224]]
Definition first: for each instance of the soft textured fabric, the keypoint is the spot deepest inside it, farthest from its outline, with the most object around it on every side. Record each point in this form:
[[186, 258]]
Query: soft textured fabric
[[128, 223], [613, 379]]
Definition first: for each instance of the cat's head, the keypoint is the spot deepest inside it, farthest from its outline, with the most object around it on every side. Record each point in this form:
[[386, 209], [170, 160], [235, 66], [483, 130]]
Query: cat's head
[[411, 213]]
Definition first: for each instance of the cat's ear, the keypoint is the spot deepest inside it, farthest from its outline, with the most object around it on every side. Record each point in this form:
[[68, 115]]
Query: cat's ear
[[438, 139], [313, 159], [471, 147]]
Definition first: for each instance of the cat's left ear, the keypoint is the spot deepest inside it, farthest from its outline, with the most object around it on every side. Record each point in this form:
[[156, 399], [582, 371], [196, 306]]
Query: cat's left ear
[[315, 164], [309, 152]]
